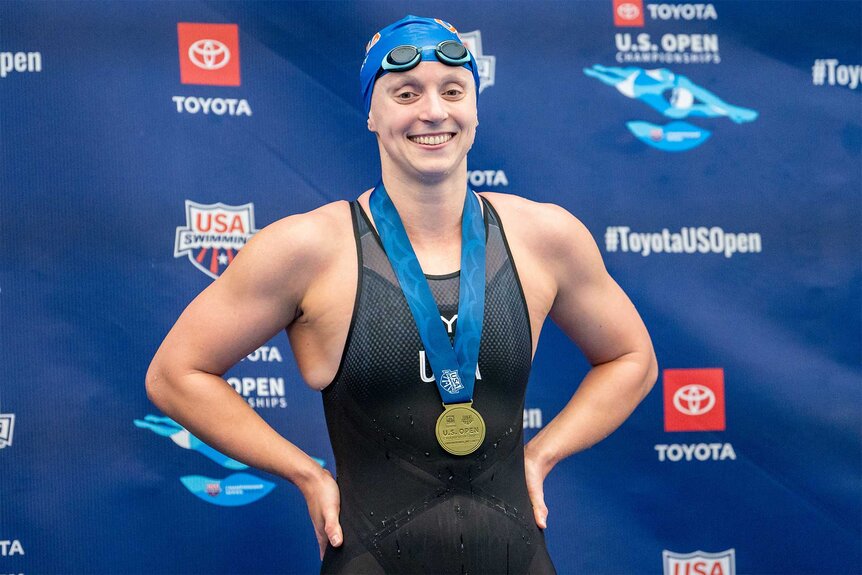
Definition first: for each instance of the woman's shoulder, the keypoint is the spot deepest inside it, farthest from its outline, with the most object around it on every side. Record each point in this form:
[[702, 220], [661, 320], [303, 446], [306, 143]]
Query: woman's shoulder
[[311, 237], [543, 228]]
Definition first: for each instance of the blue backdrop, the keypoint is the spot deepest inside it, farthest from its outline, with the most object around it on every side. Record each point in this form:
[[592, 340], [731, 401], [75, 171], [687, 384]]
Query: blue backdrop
[[713, 150]]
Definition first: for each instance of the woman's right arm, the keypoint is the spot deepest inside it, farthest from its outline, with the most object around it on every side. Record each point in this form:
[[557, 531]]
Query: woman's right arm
[[257, 296]]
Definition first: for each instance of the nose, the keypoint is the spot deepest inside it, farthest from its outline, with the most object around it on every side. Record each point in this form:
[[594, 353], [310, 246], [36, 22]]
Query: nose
[[433, 108]]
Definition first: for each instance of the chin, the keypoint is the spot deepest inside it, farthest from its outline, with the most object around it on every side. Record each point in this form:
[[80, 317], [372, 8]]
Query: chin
[[437, 167], [435, 173]]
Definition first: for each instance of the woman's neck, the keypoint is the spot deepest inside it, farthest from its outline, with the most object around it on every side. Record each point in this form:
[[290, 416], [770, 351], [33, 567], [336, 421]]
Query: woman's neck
[[430, 211]]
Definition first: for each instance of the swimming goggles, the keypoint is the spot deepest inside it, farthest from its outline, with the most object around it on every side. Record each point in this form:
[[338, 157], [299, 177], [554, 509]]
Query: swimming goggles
[[406, 57]]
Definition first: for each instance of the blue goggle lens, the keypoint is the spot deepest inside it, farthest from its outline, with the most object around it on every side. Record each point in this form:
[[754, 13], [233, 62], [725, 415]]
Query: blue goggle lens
[[452, 53], [402, 58]]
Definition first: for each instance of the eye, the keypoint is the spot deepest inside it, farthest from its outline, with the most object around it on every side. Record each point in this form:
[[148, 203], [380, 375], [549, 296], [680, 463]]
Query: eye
[[406, 96], [453, 92]]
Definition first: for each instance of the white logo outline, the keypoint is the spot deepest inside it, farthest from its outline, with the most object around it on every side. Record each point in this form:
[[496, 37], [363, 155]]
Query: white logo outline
[[451, 381], [185, 243], [204, 54], [628, 11], [693, 395]]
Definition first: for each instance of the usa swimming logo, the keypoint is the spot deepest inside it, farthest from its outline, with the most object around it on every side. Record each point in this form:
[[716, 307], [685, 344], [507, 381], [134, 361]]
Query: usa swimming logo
[[450, 381], [213, 235], [699, 562]]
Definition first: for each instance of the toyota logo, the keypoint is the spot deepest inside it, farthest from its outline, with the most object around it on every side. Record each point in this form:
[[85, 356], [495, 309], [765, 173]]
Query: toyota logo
[[628, 11], [209, 54], [694, 399]]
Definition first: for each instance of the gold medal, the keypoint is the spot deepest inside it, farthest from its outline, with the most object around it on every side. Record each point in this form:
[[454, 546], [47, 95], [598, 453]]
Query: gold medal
[[460, 429]]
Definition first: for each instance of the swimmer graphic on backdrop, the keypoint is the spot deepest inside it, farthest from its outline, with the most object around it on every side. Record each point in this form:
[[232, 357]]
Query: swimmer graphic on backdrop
[[167, 427], [685, 100]]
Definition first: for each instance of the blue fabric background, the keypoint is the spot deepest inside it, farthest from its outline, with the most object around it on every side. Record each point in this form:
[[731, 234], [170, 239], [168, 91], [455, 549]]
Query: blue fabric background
[[96, 165]]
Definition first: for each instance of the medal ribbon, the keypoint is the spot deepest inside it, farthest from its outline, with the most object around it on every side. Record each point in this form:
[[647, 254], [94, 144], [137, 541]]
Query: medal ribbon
[[454, 369]]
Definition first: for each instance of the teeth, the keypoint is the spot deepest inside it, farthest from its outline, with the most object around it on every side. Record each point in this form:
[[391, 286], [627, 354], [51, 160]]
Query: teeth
[[431, 140]]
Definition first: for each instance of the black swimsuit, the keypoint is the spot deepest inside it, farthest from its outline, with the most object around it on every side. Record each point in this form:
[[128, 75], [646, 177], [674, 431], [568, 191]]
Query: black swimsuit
[[407, 506]]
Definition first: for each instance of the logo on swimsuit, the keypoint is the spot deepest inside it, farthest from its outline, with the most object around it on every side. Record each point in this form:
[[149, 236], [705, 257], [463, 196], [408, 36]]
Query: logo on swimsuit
[[213, 234], [674, 96], [7, 426], [209, 54], [699, 563], [450, 381], [694, 400], [486, 64]]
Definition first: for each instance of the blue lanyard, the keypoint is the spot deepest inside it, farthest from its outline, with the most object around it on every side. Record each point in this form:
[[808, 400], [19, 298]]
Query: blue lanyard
[[454, 369]]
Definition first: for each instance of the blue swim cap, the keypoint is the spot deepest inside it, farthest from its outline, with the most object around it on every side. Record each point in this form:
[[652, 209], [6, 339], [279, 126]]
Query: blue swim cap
[[414, 31]]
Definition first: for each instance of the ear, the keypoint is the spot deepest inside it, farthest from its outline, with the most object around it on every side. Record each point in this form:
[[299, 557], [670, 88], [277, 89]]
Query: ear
[[371, 127]]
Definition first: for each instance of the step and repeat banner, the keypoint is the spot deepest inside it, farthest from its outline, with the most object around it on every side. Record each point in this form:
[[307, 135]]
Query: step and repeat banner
[[714, 150]]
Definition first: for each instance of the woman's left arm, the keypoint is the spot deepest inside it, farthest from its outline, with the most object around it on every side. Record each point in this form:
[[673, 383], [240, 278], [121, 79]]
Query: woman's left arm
[[600, 319]]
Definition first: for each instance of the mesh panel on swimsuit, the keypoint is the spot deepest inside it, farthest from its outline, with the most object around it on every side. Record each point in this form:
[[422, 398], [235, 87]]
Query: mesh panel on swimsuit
[[408, 506]]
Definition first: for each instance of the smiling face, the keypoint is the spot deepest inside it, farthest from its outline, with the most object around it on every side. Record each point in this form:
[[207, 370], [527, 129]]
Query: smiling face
[[425, 120]]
